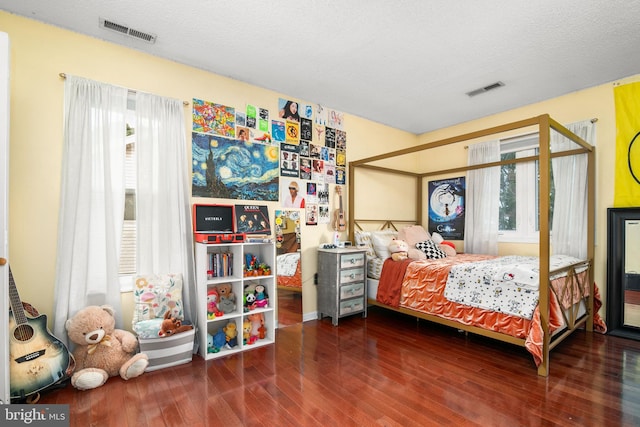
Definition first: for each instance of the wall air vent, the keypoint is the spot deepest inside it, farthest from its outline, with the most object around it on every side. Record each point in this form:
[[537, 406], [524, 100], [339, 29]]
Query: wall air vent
[[487, 88], [123, 29]]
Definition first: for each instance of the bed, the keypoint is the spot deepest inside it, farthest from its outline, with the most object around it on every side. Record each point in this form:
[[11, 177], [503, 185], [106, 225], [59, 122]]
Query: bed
[[565, 298], [288, 268]]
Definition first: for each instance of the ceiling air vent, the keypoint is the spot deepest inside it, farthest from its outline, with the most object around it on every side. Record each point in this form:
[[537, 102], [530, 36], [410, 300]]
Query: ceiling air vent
[[492, 86], [123, 29]]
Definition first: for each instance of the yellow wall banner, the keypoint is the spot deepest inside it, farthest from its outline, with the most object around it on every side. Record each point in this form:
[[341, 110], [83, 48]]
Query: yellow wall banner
[[627, 185]]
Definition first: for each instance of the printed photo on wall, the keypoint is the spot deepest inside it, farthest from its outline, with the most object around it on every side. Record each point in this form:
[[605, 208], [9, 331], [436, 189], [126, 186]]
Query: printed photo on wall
[[446, 207], [306, 129], [278, 131], [341, 175], [214, 119], [288, 110], [292, 193], [323, 214], [329, 137], [306, 111], [252, 219], [292, 130], [289, 160], [233, 169], [305, 168], [311, 214], [317, 171], [251, 117], [321, 115]]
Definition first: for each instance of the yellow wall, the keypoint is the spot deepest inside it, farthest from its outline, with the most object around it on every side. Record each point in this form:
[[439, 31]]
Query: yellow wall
[[38, 54]]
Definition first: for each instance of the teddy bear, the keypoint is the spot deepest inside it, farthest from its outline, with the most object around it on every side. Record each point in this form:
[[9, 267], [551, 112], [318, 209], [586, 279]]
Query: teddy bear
[[226, 298], [399, 250], [102, 351], [171, 325]]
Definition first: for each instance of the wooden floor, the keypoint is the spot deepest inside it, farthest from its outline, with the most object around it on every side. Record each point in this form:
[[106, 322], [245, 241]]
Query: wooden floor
[[387, 370]]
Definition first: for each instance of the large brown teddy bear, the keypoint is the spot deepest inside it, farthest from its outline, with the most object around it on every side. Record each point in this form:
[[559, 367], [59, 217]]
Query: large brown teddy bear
[[102, 351]]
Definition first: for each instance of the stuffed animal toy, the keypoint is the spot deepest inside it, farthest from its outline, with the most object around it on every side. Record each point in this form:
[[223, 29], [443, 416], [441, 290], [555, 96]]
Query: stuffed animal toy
[[231, 334], [227, 299], [256, 320], [246, 330], [249, 298], [102, 351], [399, 250], [218, 340], [212, 304], [172, 325], [262, 299]]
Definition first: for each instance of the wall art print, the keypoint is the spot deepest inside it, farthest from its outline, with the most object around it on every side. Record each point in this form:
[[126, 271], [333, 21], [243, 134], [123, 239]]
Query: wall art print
[[233, 169], [446, 207], [213, 118]]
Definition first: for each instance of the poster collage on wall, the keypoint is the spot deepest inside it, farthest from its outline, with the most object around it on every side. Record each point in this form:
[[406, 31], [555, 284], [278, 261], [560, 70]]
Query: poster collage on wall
[[251, 155]]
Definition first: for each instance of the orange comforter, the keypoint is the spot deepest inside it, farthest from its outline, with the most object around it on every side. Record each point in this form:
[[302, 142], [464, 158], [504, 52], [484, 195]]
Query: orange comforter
[[423, 290]]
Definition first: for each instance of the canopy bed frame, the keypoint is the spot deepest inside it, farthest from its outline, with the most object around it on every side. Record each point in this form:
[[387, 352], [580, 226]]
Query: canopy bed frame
[[543, 124]]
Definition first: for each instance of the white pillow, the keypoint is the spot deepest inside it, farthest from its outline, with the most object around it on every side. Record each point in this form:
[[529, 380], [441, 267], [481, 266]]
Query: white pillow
[[381, 240], [363, 241]]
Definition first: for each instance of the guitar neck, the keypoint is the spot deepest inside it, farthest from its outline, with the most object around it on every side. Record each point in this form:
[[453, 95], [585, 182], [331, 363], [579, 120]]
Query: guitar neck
[[16, 303]]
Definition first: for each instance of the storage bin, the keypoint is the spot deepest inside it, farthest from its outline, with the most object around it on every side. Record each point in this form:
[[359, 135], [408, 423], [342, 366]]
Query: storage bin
[[168, 351]]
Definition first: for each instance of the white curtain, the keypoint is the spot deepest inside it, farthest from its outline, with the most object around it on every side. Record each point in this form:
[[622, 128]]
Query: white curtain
[[483, 200], [569, 222], [92, 199], [165, 239]]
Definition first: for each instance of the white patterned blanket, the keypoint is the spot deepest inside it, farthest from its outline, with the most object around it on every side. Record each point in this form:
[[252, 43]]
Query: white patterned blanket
[[506, 284]]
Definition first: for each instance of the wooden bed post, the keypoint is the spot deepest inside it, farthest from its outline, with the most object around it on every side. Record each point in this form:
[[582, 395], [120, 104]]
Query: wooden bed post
[[543, 197]]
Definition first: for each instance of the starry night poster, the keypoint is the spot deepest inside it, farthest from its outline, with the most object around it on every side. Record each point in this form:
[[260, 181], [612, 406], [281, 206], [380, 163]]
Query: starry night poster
[[233, 169], [446, 208]]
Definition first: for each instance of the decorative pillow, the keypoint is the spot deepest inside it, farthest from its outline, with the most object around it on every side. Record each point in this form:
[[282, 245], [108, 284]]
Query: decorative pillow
[[431, 249], [381, 240], [363, 240], [155, 294]]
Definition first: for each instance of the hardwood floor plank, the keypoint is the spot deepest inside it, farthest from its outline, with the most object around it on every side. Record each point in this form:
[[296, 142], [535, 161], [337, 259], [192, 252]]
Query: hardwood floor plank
[[386, 370]]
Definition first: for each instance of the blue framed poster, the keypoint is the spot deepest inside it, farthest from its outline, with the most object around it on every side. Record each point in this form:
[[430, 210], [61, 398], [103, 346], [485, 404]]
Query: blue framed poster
[[446, 208]]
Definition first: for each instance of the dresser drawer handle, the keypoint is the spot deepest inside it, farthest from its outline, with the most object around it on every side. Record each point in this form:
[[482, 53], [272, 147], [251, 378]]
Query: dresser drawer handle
[[353, 275], [353, 260]]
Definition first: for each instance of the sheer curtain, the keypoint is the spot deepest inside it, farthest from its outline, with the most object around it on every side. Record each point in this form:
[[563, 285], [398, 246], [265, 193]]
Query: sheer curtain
[[483, 200], [165, 239], [569, 222], [92, 199]]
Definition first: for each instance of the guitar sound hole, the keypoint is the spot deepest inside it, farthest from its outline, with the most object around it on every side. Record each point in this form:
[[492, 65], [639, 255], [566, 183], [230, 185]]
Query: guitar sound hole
[[23, 333]]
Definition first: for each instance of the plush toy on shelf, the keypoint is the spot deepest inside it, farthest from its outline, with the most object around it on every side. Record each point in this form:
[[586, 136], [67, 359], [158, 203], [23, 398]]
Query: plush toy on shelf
[[399, 250], [212, 304], [227, 299], [218, 340], [102, 351], [262, 299], [231, 334]]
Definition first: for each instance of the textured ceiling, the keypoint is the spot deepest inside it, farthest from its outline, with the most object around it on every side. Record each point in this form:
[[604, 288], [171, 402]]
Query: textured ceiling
[[406, 64]]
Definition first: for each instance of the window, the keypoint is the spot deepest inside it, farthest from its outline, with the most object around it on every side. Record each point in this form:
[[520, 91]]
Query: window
[[519, 188], [127, 267]]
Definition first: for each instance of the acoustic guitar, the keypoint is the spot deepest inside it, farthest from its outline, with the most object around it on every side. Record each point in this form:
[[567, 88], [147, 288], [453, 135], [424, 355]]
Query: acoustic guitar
[[37, 359], [339, 222]]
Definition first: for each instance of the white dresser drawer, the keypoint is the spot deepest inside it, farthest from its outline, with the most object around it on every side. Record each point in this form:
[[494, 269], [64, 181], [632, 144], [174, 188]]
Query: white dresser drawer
[[351, 291], [352, 260]]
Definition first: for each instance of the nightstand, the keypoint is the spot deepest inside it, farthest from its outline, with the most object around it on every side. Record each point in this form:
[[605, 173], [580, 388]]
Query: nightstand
[[342, 283]]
